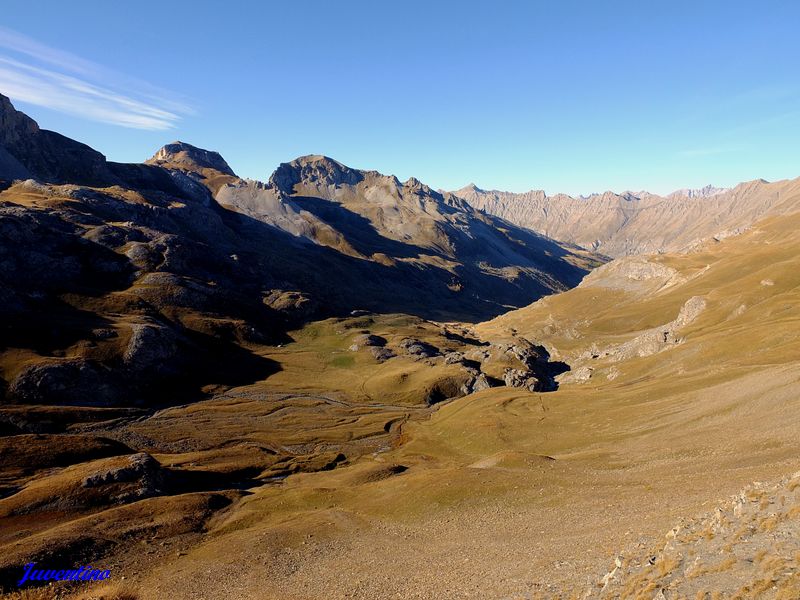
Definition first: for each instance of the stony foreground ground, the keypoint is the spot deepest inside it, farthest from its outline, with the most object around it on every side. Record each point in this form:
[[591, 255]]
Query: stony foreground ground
[[747, 547]]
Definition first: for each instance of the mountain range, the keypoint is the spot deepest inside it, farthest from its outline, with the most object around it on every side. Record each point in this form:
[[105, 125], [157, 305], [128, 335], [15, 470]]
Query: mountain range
[[638, 223], [336, 384], [144, 279]]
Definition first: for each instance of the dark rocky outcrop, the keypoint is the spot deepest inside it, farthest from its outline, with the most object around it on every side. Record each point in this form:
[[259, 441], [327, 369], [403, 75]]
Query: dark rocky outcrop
[[152, 349], [68, 381], [141, 476], [321, 170], [419, 349], [381, 354], [46, 155]]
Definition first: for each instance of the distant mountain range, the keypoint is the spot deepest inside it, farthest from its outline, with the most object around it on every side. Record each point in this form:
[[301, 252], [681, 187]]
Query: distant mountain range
[[703, 192], [636, 223]]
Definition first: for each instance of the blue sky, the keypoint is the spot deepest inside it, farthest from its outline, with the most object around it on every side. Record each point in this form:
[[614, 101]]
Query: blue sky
[[564, 96]]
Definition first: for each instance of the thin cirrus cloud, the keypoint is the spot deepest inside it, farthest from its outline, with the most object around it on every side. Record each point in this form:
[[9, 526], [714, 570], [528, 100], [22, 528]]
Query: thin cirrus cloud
[[38, 74]]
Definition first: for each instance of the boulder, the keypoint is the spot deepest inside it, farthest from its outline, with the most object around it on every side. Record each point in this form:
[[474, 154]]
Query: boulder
[[579, 375], [522, 379], [141, 470], [381, 354], [68, 381], [453, 358], [419, 349], [293, 304], [481, 383], [368, 339], [529, 354], [151, 348]]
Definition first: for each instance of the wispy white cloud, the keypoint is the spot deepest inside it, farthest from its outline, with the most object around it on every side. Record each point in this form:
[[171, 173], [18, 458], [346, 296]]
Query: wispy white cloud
[[33, 72]]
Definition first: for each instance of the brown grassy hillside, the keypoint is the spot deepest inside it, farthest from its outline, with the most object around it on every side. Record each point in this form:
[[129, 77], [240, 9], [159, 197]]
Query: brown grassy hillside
[[507, 493]]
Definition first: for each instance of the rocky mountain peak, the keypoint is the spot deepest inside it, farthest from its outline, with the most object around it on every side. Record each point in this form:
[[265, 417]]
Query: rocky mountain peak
[[191, 158], [15, 126], [28, 151], [314, 169], [470, 187], [703, 192], [413, 183], [422, 190]]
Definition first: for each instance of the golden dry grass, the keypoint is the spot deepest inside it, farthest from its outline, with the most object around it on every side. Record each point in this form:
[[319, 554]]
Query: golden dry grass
[[501, 485], [699, 420]]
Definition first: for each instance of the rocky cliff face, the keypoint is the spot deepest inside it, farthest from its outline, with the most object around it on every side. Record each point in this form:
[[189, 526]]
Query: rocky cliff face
[[640, 223], [46, 155], [316, 170]]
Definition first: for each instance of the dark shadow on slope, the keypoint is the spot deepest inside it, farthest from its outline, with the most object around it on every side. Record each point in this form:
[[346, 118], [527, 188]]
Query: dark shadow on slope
[[47, 325], [504, 244], [346, 283], [359, 231], [554, 369], [214, 362], [450, 335]]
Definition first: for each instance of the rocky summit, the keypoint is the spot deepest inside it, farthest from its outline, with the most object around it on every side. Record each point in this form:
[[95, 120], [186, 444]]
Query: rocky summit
[[182, 156]]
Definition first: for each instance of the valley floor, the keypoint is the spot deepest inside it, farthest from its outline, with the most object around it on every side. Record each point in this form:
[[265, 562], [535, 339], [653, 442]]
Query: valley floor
[[491, 514], [689, 392]]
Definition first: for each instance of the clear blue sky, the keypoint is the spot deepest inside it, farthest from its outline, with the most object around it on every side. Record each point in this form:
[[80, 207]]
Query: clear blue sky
[[562, 95]]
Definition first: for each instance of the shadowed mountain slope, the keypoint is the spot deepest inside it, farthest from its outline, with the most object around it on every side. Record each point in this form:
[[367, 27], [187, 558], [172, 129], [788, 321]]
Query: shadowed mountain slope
[[146, 282], [456, 259]]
